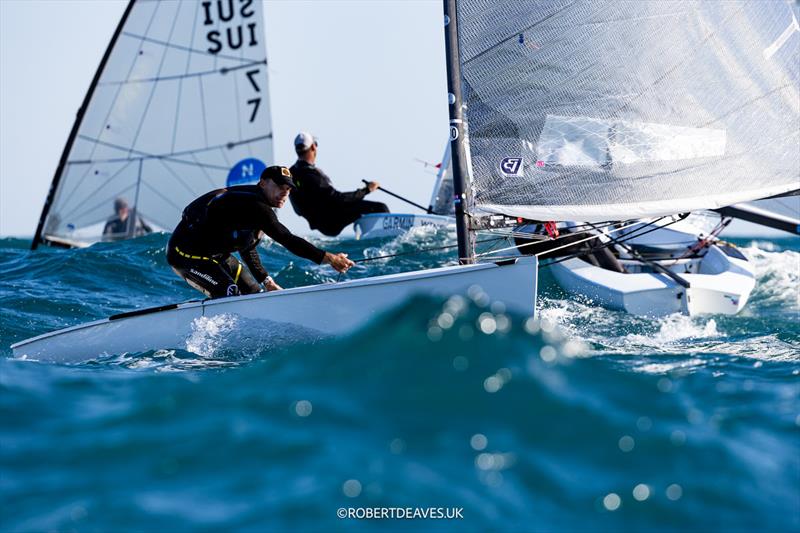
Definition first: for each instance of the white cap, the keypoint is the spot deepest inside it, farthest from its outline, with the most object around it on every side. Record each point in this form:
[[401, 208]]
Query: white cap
[[304, 140]]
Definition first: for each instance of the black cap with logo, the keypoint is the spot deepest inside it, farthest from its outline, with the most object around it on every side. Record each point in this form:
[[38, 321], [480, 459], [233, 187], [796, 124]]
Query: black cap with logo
[[278, 174]]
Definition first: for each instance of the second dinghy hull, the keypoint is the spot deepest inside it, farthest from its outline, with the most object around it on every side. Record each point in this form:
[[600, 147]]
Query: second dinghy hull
[[393, 224], [721, 285]]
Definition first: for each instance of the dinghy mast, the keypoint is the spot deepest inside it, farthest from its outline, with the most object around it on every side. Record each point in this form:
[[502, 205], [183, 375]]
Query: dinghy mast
[[37, 238], [466, 239]]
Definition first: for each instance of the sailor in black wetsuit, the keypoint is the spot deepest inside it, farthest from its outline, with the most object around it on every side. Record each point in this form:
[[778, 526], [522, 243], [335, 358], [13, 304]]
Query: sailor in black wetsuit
[[234, 220], [315, 199]]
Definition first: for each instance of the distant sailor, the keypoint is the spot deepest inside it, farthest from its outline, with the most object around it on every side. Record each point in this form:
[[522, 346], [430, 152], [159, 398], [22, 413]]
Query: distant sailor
[[118, 226], [230, 220], [315, 198]]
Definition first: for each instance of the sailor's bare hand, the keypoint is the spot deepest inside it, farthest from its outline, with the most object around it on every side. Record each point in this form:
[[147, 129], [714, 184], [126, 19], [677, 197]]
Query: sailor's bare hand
[[339, 262], [270, 285], [372, 186]]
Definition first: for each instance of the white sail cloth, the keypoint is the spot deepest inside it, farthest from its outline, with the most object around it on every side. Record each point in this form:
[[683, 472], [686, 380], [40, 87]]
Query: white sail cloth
[[179, 109], [617, 109]]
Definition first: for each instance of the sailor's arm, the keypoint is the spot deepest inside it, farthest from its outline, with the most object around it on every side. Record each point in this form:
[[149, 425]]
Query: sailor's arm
[[301, 247], [326, 188], [253, 261]]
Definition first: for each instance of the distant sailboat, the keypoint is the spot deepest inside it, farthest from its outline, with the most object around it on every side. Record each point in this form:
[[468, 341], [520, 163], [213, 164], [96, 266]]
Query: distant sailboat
[[438, 214], [179, 106]]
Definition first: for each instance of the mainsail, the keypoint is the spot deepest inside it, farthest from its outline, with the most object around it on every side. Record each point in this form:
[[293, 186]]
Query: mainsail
[[613, 109], [179, 106]]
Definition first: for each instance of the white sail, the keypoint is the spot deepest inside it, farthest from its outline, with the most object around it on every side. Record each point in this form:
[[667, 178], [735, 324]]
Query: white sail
[[180, 106], [442, 196], [617, 109]]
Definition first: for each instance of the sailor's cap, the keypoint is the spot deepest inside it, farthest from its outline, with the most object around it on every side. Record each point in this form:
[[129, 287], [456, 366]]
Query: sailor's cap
[[278, 174], [304, 140]]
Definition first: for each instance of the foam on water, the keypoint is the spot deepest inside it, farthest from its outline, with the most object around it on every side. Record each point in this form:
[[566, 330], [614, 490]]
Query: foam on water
[[208, 333], [777, 275]]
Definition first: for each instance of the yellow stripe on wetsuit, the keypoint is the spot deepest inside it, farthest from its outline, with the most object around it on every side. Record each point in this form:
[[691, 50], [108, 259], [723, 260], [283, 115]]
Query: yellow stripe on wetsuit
[[238, 270], [188, 256]]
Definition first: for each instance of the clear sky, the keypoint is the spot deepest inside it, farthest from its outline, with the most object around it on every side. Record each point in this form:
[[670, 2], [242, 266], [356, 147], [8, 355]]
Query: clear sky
[[367, 77]]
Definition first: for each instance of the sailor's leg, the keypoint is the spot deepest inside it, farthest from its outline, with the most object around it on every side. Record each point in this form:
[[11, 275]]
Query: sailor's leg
[[365, 207], [206, 275], [241, 276]]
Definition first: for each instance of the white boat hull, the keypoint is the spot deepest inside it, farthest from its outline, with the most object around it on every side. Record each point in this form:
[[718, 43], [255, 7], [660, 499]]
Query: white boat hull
[[394, 224], [721, 286], [330, 309]]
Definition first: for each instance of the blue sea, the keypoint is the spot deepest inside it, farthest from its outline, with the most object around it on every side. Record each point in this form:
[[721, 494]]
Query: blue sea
[[587, 420]]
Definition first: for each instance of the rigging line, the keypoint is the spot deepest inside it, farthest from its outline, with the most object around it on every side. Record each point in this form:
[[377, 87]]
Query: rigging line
[[573, 229], [523, 234], [111, 108], [516, 33], [153, 88], [202, 167], [177, 177], [94, 191], [420, 251], [106, 202], [225, 157], [515, 247], [203, 109], [77, 186], [170, 159], [163, 197], [180, 82], [222, 71], [238, 108], [498, 241], [180, 47], [604, 245], [709, 240], [147, 155]]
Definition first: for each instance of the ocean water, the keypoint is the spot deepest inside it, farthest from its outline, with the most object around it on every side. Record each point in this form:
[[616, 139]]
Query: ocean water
[[588, 420]]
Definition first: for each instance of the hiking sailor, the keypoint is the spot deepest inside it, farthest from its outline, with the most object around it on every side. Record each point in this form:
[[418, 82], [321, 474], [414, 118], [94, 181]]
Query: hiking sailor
[[234, 220], [315, 198]]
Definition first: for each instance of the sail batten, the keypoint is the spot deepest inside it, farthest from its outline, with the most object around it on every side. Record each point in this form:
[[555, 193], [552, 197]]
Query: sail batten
[[179, 106], [611, 110]]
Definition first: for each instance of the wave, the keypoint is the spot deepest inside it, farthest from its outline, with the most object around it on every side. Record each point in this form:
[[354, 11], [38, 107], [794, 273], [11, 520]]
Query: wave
[[510, 422]]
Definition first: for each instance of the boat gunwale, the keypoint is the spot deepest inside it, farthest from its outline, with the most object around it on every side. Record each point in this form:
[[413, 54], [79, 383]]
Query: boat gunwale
[[364, 282]]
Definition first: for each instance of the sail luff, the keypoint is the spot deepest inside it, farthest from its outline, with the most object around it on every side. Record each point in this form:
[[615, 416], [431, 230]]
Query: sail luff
[[466, 245], [37, 238]]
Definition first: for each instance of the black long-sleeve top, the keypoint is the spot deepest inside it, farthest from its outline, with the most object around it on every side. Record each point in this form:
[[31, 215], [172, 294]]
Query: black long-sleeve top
[[315, 196], [230, 220]]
